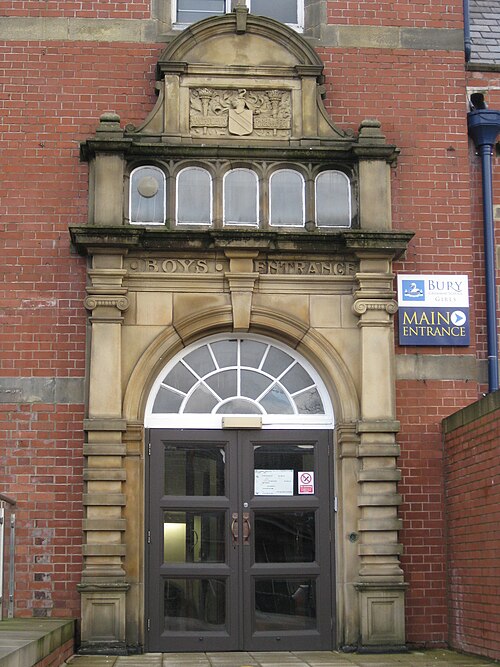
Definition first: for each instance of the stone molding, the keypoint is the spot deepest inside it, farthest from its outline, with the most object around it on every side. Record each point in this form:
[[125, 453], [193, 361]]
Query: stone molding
[[47, 29]]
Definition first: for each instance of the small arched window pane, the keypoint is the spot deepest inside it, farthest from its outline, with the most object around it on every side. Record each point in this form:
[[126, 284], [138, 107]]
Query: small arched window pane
[[194, 197], [309, 402], [239, 406], [201, 401], [333, 200], [277, 402], [147, 196], [287, 198], [224, 383], [241, 198]]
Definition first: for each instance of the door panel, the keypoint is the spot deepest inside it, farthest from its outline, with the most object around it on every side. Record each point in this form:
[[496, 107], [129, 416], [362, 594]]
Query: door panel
[[239, 553], [286, 563], [192, 595]]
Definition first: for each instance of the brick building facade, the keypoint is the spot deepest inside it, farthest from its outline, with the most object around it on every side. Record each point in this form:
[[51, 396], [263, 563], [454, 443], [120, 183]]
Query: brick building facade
[[93, 317]]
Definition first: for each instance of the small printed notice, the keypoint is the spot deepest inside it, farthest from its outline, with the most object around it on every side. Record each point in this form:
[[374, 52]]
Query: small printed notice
[[306, 483], [273, 482]]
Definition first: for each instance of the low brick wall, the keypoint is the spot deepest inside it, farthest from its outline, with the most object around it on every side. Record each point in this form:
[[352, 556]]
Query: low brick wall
[[59, 656], [34, 642], [472, 479]]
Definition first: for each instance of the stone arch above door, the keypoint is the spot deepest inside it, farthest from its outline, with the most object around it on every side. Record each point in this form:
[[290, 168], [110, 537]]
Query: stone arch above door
[[317, 352]]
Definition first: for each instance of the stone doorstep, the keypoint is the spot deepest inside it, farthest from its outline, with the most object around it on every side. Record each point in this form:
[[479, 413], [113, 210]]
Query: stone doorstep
[[26, 641], [424, 658]]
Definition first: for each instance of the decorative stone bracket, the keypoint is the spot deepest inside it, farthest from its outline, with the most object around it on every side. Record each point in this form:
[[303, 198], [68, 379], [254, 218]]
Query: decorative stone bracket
[[241, 278]]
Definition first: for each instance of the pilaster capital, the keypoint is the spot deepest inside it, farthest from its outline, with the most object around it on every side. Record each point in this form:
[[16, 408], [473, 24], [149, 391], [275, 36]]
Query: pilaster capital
[[118, 301], [383, 306]]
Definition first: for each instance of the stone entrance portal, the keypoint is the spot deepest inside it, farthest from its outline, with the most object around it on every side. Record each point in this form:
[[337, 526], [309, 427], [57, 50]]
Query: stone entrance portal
[[276, 225]]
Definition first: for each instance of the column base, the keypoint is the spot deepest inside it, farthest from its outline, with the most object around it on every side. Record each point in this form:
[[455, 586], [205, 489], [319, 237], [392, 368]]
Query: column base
[[103, 618], [382, 617]]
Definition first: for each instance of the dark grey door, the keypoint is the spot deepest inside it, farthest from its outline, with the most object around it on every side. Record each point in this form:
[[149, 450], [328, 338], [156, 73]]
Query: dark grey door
[[239, 541]]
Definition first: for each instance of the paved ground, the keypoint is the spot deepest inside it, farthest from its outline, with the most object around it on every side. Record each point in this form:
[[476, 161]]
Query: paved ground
[[435, 658]]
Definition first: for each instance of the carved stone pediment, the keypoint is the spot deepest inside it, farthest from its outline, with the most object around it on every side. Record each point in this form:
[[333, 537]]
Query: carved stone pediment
[[239, 77]]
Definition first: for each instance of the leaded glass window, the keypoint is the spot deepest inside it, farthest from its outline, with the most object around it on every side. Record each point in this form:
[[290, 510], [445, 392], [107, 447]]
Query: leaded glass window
[[333, 199], [194, 197], [286, 198], [190, 11], [241, 197], [287, 11], [147, 196]]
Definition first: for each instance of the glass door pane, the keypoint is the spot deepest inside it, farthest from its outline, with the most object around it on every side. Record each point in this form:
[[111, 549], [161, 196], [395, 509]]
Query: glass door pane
[[285, 604]]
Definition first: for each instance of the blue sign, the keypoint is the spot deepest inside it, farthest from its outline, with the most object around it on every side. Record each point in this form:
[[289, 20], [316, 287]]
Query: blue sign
[[433, 326], [433, 310]]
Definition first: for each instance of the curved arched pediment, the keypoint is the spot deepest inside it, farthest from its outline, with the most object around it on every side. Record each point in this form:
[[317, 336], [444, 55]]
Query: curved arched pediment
[[259, 42]]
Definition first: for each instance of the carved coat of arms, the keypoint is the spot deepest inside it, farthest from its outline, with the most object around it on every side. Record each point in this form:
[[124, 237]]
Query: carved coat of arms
[[242, 112]]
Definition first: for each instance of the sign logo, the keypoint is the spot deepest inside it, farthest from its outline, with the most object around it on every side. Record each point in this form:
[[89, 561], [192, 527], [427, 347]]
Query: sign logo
[[413, 290]]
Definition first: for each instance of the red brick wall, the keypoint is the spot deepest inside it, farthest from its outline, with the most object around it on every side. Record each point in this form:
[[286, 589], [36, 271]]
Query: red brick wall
[[52, 97], [58, 657], [42, 469], [422, 406], [472, 471]]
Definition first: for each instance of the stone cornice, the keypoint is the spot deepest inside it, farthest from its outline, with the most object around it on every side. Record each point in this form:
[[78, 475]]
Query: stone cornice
[[88, 239], [151, 145]]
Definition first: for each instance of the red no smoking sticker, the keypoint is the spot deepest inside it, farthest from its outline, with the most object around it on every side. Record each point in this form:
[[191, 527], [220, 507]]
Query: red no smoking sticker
[[306, 483]]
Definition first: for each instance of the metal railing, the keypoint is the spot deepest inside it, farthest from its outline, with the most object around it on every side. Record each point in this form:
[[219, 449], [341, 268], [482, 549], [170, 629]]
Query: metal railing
[[7, 510]]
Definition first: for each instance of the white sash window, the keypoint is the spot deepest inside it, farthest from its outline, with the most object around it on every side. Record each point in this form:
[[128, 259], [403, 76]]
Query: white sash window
[[290, 12]]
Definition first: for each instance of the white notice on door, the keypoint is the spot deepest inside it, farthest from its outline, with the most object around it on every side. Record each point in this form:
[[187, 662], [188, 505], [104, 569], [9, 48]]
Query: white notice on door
[[273, 482]]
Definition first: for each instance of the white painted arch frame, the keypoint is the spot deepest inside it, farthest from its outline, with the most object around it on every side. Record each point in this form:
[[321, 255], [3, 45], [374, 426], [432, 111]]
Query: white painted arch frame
[[214, 421]]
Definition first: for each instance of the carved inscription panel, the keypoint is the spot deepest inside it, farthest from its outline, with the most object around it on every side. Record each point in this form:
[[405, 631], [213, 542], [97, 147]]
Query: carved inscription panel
[[241, 112], [196, 266]]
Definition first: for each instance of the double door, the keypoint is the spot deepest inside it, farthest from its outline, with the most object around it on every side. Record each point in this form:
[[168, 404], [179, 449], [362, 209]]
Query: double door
[[239, 541]]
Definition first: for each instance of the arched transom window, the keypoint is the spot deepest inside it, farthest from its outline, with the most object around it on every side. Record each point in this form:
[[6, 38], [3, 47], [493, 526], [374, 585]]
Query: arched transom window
[[238, 376]]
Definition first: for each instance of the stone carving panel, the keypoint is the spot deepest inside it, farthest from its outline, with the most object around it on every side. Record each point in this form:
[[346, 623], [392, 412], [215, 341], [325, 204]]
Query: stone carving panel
[[241, 112]]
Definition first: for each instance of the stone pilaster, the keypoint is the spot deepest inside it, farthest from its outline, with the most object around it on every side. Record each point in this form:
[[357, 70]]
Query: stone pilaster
[[347, 443], [103, 585], [380, 578]]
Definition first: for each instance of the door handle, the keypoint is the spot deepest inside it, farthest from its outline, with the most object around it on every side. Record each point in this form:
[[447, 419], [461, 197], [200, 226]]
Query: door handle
[[247, 528], [234, 528]]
